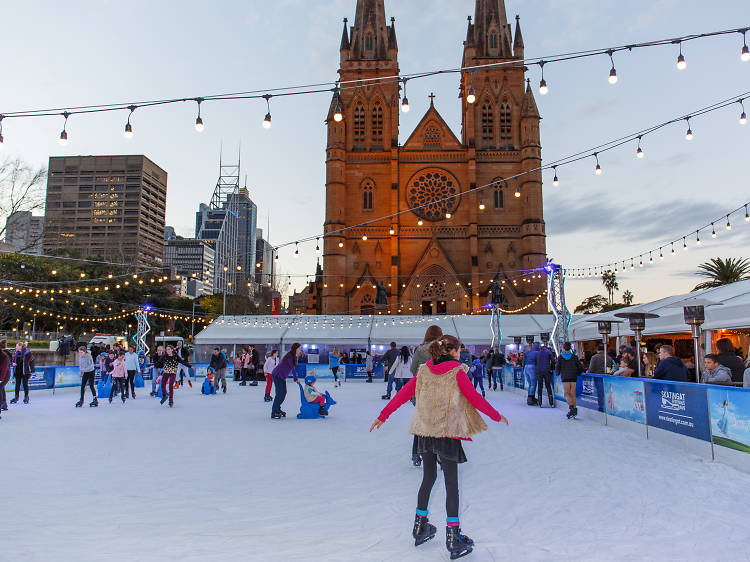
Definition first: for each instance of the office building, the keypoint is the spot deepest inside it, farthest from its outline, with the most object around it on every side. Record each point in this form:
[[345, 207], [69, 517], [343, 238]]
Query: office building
[[24, 232], [191, 259]]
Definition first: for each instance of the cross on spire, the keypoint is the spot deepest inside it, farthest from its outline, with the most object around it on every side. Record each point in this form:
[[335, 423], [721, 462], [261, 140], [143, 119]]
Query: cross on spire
[[432, 98]]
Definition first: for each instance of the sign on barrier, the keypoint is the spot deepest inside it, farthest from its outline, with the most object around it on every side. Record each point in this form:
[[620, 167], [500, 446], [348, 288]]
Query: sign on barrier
[[590, 392], [730, 417], [559, 389], [678, 407], [42, 378], [359, 371], [67, 376], [625, 398], [519, 381]]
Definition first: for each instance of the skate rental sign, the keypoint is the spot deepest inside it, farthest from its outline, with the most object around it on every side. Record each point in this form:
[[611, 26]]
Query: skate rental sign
[[680, 408]]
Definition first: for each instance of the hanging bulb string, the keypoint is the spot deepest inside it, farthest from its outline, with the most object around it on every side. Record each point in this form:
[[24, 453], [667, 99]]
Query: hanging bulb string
[[576, 157], [320, 87]]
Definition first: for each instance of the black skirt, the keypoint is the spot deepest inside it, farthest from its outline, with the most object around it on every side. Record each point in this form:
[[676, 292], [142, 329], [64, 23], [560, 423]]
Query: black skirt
[[444, 447]]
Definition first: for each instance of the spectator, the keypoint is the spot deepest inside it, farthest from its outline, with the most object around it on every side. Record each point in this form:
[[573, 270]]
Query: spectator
[[715, 372], [597, 363], [544, 364], [628, 358], [670, 367], [387, 360], [650, 361], [729, 358], [529, 372], [495, 360]]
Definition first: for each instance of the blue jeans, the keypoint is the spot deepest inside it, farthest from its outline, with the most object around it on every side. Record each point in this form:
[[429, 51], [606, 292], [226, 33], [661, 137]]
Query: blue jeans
[[529, 371], [278, 400], [391, 379], [479, 381]]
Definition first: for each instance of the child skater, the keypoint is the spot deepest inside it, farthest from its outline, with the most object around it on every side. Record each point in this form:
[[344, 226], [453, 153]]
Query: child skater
[[86, 366], [119, 377], [313, 395], [445, 414], [172, 363]]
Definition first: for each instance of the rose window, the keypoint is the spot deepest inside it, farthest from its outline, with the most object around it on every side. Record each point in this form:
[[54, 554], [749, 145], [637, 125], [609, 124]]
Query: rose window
[[433, 193]]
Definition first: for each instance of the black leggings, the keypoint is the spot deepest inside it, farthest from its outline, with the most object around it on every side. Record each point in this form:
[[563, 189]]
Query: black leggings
[[335, 371], [119, 384], [450, 474], [544, 379], [88, 378], [131, 384], [22, 380]]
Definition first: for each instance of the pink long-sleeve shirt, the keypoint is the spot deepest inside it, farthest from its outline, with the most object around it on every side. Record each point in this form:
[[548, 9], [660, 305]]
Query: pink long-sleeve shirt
[[118, 369], [464, 385]]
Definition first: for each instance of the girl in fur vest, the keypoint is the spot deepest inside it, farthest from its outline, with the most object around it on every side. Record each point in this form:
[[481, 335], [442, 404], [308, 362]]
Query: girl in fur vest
[[445, 415]]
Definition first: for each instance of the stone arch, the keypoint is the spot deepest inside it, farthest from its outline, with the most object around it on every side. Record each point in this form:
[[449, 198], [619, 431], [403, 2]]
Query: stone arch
[[434, 291], [367, 187]]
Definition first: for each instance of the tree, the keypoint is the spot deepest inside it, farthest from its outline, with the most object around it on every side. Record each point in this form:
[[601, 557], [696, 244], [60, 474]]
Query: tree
[[592, 304], [21, 189], [609, 280], [627, 298], [723, 272]]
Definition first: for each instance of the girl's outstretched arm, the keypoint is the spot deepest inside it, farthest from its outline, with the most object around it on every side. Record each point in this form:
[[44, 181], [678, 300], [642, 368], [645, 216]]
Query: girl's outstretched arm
[[476, 399], [401, 398]]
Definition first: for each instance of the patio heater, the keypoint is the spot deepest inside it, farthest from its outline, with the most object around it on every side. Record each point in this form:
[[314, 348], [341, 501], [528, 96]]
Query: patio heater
[[544, 337], [694, 312], [605, 328], [637, 324], [530, 340]]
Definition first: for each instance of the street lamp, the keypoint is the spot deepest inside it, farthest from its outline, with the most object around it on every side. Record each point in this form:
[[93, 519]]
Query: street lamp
[[637, 324], [694, 313]]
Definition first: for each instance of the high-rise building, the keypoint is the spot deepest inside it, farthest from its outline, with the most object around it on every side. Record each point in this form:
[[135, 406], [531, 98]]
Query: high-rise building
[[24, 232], [109, 207], [264, 262], [247, 219], [191, 259], [455, 239]]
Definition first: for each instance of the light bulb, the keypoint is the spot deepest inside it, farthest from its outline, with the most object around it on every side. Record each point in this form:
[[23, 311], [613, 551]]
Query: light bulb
[[697, 240], [405, 105], [481, 206], [713, 231], [267, 121], [689, 134], [472, 96], [729, 225], [639, 152], [543, 89], [555, 181], [747, 217], [743, 118], [128, 131], [341, 243], [612, 76], [745, 55], [684, 245], [518, 192], [681, 62], [598, 170], [199, 126], [420, 222], [392, 231], [63, 138], [338, 116], [317, 246], [1, 141], [364, 237], [447, 215]]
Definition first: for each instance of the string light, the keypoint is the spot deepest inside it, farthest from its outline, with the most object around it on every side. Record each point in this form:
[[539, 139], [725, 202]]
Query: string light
[[639, 152], [420, 222], [598, 169], [729, 226], [405, 102], [128, 134], [364, 238], [267, 118], [296, 251], [684, 245], [743, 115], [338, 114], [317, 245], [555, 180], [713, 231], [745, 54], [64, 134], [518, 191], [612, 73], [689, 132], [681, 62], [543, 89], [199, 121], [471, 97], [392, 230], [747, 217], [697, 239], [341, 243], [481, 205]]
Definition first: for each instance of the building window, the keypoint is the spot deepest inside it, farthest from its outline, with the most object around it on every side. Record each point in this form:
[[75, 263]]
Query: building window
[[497, 194], [488, 123], [367, 306], [377, 122], [506, 127], [359, 123], [432, 137], [368, 42], [368, 186], [493, 41]]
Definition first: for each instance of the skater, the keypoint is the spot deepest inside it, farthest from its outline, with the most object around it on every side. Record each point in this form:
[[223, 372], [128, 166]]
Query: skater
[[23, 360], [333, 364], [157, 365], [271, 362], [169, 373], [5, 362], [421, 356], [287, 366], [119, 377], [495, 359], [478, 374], [368, 365], [252, 365], [132, 366], [569, 367], [529, 372], [400, 372], [182, 353], [218, 365], [313, 395], [446, 414], [387, 360], [241, 364], [86, 366], [544, 363]]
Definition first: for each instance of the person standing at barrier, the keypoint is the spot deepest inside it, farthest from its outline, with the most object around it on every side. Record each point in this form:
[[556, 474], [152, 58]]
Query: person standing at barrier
[[5, 363], [271, 362], [169, 374], [23, 368], [333, 364], [132, 367], [252, 364], [446, 414], [218, 365], [495, 360], [287, 366], [544, 364], [598, 363], [86, 367], [182, 353], [569, 367], [529, 372]]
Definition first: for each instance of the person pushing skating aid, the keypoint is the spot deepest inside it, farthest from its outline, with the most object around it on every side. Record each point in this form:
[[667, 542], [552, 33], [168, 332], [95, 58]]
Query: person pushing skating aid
[[445, 415]]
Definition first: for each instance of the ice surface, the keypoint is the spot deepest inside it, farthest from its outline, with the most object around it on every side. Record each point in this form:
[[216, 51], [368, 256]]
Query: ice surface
[[215, 479]]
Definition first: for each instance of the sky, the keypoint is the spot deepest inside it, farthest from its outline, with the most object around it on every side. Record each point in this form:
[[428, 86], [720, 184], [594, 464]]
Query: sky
[[60, 54]]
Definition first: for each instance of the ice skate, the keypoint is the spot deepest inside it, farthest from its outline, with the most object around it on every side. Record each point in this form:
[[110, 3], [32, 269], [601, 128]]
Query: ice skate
[[110, 399], [171, 403], [417, 461], [423, 530], [283, 414], [457, 544], [322, 411], [94, 403], [386, 396], [164, 399], [79, 403], [123, 400], [275, 416], [26, 400], [4, 407], [14, 401]]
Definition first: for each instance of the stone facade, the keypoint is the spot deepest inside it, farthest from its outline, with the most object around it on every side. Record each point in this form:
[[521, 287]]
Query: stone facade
[[465, 239]]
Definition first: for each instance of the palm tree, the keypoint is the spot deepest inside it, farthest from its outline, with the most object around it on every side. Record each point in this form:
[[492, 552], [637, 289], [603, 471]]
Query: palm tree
[[609, 280], [627, 298], [723, 272]]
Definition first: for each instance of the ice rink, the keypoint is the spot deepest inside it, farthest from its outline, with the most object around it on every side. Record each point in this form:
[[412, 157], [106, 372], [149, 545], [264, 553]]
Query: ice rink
[[215, 479]]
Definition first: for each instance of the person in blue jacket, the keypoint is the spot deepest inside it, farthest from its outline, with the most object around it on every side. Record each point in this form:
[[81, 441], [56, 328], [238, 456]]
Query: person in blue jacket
[[670, 367], [529, 372], [545, 361]]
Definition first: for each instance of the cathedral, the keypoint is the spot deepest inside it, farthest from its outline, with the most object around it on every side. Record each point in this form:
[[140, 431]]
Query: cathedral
[[404, 232]]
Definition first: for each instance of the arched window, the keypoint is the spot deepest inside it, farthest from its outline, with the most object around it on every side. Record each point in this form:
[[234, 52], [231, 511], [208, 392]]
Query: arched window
[[488, 122], [493, 40], [368, 42], [359, 122], [506, 124], [377, 122], [497, 194], [368, 187], [432, 137]]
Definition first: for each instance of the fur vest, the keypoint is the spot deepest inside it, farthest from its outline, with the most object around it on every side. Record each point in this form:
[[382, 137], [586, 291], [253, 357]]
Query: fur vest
[[442, 411]]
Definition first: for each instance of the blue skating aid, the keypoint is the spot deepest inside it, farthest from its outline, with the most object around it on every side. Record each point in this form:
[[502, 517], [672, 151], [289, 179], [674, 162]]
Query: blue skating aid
[[208, 388], [104, 387], [307, 410], [329, 401], [139, 380]]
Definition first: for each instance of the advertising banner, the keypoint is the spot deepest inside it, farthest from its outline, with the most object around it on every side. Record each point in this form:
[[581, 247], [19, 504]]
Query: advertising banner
[[730, 417], [41, 379], [519, 381], [359, 371], [199, 370], [624, 397], [67, 376], [559, 389], [678, 407], [590, 392]]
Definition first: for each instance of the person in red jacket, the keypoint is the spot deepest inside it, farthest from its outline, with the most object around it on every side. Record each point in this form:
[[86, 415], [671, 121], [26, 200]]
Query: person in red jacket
[[445, 415], [5, 362]]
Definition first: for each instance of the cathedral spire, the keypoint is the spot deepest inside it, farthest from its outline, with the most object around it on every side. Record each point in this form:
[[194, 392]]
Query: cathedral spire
[[529, 108], [345, 37], [518, 40], [370, 34], [491, 30]]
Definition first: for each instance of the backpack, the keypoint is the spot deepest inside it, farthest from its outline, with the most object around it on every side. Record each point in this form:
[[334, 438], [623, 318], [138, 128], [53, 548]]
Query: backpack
[[30, 362]]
